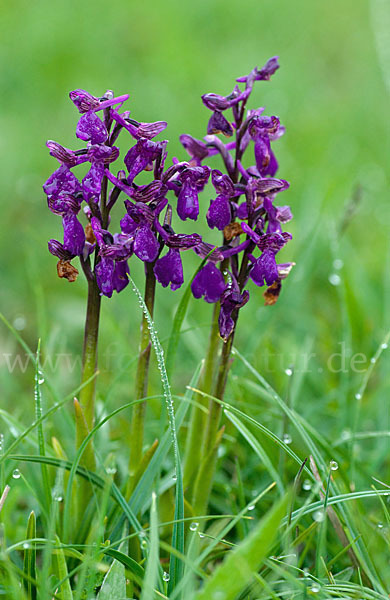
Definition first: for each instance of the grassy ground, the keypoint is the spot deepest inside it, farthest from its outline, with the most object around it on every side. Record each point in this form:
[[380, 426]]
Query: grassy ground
[[332, 318]]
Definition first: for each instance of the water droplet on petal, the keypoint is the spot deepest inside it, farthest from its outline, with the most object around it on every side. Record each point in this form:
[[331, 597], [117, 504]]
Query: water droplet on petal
[[306, 485], [16, 474], [166, 576], [334, 279], [333, 465], [194, 526], [287, 438], [319, 516]]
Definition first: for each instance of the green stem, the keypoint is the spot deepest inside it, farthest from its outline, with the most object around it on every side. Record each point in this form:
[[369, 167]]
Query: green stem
[[141, 380], [89, 366], [195, 439]]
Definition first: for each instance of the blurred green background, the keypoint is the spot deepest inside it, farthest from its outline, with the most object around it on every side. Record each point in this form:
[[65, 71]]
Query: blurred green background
[[331, 95]]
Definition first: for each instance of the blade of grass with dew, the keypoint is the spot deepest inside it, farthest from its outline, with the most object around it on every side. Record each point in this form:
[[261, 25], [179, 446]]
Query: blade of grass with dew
[[30, 557], [41, 438], [176, 566], [244, 560], [256, 446], [152, 567]]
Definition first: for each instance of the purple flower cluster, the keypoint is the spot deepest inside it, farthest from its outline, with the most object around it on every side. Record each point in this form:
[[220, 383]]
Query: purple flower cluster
[[141, 233], [243, 208]]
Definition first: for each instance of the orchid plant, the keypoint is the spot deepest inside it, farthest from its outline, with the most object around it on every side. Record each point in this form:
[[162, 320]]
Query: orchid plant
[[243, 209]]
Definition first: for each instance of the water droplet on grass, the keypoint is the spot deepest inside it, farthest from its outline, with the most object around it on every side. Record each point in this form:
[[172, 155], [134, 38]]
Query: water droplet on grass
[[358, 396], [333, 465], [380, 525], [251, 507], [194, 526], [315, 588], [166, 576], [288, 372], [338, 264], [26, 545], [384, 346], [201, 535], [19, 323], [319, 516], [174, 477], [334, 279], [16, 474], [306, 485], [373, 360], [144, 544], [287, 438]]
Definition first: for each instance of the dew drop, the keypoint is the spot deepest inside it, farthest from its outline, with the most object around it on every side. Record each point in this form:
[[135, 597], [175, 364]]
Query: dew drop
[[174, 477], [111, 470], [251, 507], [288, 372], [201, 535], [16, 474], [306, 485], [380, 525], [166, 576], [334, 279], [333, 465], [19, 322], [358, 396], [58, 498], [144, 544], [338, 264], [194, 526], [287, 438], [26, 545], [373, 360], [306, 572], [345, 434], [142, 534], [319, 516], [315, 588], [384, 346]]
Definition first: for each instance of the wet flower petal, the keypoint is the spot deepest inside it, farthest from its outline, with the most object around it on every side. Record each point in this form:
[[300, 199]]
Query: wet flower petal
[[169, 269], [62, 181], [265, 269], [209, 283], [120, 279], [104, 272], [219, 214], [92, 182], [146, 246], [219, 124], [74, 236], [83, 100], [91, 128]]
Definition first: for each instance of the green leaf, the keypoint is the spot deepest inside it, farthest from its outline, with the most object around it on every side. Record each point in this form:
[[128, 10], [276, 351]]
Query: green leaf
[[30, 556], [65, 591], [114, 583], [244, 560]]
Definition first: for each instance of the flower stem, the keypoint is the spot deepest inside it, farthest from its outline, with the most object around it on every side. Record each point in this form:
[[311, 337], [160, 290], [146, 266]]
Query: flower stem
[[142, 376], [89, 365], [195, 439]]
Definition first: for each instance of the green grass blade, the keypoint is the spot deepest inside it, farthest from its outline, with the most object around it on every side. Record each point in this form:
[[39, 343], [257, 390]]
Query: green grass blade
[[176, 565], [41, 439], [65, 591], [30, 557], [256, 446], [179, 318], [244, 560], [152, 568], [114, 583]]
